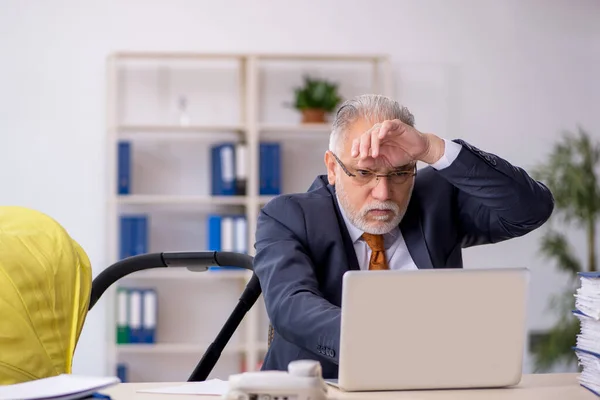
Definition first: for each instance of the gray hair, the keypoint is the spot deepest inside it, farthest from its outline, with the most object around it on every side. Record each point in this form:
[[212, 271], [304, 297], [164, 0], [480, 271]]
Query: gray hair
[[372, 107]]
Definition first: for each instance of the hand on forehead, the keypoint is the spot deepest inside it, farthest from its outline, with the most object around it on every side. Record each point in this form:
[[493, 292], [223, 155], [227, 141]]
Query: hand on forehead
[[382, 161]]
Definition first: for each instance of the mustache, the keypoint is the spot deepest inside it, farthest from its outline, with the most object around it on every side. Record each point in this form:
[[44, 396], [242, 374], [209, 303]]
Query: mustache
[[385, 205]]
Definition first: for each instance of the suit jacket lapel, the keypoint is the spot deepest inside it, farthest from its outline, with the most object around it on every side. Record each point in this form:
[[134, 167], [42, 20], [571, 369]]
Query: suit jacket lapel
[[412, 231], [351, 259]]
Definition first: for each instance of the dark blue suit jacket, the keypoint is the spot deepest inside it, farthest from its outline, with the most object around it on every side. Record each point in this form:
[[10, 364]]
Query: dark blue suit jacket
[[303, 247]]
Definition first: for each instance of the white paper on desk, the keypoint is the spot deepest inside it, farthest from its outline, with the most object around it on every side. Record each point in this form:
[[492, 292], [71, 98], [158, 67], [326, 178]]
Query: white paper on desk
[[216, 387], [60, 387]]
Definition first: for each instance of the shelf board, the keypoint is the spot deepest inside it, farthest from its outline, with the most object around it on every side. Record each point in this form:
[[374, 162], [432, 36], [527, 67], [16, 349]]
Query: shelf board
[[180, 129], [196, 132], [178, 133], [184, 273], [158, 55], [322, 57], [153, 55], [262, 200], [175, 348], [139, 199], [142, 199], [296, 128], [150, 55], [172, 348]]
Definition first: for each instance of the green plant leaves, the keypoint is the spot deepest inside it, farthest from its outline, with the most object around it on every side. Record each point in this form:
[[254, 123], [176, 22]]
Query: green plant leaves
[[571, 174], [555, 246], [317, 94], [557, 345]]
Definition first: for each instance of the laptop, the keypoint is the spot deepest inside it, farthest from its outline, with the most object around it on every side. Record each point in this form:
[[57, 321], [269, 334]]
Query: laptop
[[432, 329]]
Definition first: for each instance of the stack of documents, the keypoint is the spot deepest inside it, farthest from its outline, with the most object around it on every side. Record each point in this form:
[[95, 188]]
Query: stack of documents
[[60, 387], [587, 309]]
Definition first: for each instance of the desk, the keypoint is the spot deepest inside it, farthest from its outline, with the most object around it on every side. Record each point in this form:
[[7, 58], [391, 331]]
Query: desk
[[532, 387]]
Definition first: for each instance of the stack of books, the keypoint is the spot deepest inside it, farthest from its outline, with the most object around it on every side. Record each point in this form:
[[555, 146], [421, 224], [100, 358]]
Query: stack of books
[[587, 309]]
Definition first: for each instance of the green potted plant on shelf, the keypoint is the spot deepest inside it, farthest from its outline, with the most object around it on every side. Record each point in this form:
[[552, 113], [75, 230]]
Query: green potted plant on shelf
[[315, 98], [571, 174]]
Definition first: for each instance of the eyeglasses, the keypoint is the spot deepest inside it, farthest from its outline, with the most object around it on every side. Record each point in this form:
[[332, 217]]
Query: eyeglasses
[[364, 176]]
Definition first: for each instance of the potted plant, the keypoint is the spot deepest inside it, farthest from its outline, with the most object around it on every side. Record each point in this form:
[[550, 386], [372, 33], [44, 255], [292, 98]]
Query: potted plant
[[571, 174], [315, 98]]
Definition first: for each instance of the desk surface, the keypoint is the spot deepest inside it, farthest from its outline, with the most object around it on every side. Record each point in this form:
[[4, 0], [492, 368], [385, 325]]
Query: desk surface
[[532, 387]]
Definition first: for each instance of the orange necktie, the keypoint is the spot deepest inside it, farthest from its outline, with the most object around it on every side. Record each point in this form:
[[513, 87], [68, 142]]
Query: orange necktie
[[375, 242]]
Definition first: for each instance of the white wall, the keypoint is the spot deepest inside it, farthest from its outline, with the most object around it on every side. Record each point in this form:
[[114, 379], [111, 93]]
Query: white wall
[[506, 76]]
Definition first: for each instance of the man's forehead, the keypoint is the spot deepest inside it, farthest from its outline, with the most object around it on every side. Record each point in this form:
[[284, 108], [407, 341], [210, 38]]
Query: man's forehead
[[369, 162], [378, 163], [358, 127]]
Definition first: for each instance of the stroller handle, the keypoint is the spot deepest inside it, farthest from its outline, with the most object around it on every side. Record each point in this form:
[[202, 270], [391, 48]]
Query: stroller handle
[[193, 260]]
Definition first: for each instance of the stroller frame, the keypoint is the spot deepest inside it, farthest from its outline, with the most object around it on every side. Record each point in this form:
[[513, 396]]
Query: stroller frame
[[198, 262]]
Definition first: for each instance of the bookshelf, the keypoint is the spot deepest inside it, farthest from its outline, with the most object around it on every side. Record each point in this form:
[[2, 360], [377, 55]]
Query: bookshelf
[[235, 98]]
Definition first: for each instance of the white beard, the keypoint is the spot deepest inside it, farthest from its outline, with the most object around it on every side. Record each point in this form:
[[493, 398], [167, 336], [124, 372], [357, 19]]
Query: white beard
[[359, 217]]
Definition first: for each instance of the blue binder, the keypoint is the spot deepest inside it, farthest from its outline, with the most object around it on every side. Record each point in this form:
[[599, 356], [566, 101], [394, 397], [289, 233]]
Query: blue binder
[[589, 274], [213, 232], [122, 372], [270, 168], [223, 170], [126, 237], [135, 316], [149, 315], [124, 168], [140, 234]]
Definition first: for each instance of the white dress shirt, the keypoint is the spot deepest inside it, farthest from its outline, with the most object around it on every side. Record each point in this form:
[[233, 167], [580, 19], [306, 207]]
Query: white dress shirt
[[396, 252]]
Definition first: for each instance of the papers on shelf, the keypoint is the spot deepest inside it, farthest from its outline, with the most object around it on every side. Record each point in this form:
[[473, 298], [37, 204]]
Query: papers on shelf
[[214, 387], [60, 387], [587, 348]]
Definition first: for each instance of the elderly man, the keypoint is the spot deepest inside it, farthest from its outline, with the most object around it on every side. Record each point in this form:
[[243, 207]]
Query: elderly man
[[373, 210]]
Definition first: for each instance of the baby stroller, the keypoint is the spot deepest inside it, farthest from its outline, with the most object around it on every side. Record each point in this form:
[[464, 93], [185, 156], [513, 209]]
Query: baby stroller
[[46, 291]]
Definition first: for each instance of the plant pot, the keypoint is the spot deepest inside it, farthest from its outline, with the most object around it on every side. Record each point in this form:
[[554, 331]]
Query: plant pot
[[313, 115]]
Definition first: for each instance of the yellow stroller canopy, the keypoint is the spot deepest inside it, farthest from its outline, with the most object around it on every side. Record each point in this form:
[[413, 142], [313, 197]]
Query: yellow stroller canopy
[[45, 284]]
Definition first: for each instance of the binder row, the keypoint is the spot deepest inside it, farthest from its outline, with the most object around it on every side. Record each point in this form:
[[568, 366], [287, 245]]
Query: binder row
[[137, 315], [229, 168], [587, 348], [133, 235], [227, 233]]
